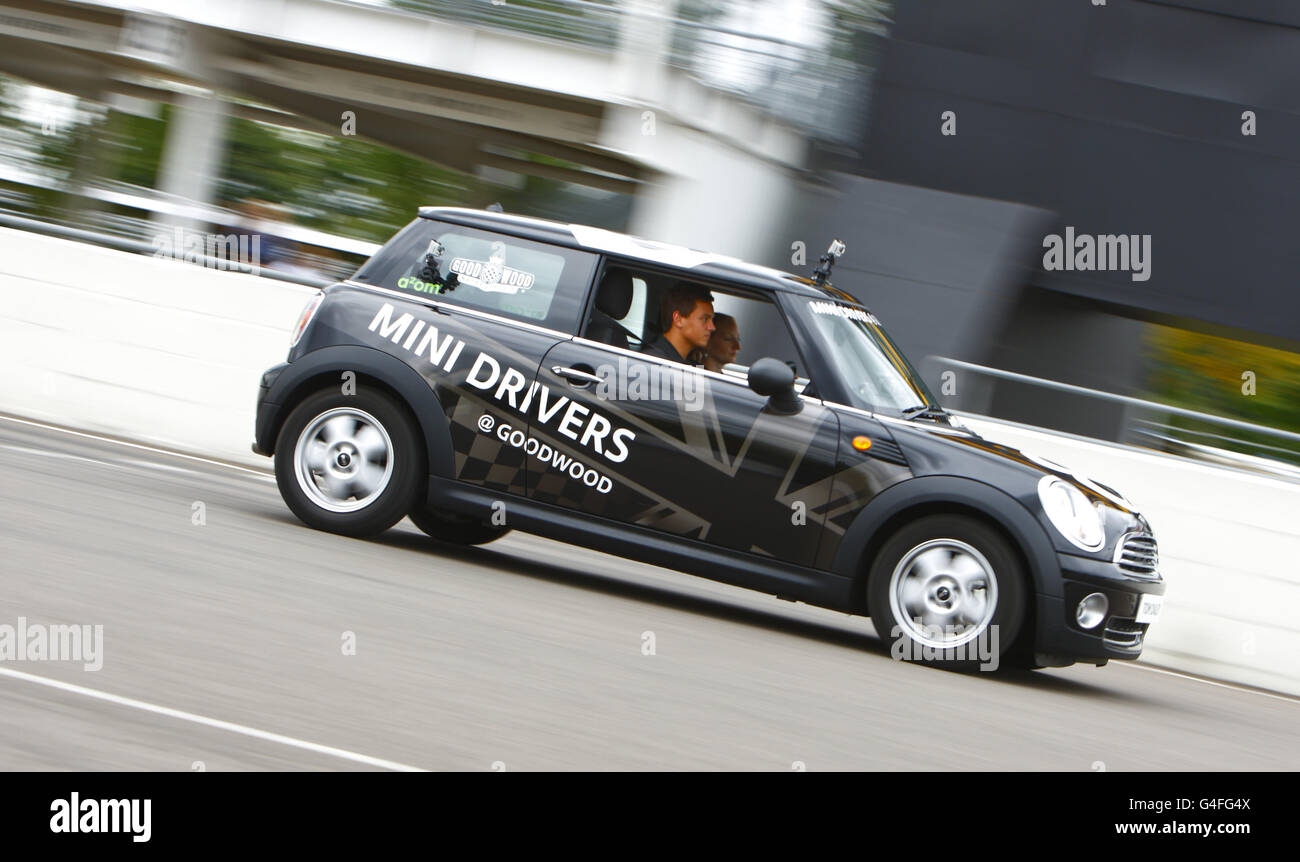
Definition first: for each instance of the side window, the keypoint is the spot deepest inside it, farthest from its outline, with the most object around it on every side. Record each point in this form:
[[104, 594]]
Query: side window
[[748, 329], [496, 273], [747, 325]]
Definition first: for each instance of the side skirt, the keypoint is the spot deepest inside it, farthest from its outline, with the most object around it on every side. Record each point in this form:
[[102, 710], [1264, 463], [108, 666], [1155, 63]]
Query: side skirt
[[785, 581]]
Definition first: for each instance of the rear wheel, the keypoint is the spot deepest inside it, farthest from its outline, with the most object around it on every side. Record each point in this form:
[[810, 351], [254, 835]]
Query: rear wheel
[[455, 529], [350, 464], [947, 590]]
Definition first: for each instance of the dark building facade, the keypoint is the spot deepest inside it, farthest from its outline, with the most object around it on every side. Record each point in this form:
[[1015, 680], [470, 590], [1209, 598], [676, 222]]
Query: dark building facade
[[1173, 120]]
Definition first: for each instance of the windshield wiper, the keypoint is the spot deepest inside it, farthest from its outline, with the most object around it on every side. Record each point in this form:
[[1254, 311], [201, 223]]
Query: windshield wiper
[[928, 411]]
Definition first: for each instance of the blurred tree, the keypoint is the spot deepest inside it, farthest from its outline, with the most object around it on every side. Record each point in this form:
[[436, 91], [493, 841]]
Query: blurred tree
[[8, 108], [344, 185], [261, 163], [99, 144], [1226, 378], [139, 145]]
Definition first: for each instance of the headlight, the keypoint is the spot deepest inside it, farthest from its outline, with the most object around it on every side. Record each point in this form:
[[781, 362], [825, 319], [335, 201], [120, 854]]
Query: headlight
[[1071, 513]]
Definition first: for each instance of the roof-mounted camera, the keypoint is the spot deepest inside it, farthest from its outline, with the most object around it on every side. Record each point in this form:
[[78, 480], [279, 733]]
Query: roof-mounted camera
[[822, 274]]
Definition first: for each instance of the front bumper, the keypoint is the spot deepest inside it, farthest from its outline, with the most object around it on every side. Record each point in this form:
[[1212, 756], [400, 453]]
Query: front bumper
[[267, 412], [1061, 641]]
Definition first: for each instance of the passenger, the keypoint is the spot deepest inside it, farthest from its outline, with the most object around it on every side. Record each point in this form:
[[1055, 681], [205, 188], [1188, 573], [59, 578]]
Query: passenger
[[723, 344], [687, 316]]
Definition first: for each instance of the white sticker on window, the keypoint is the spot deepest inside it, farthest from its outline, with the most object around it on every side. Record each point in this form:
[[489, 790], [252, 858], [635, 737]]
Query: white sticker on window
[[493, 275], [843, 311]]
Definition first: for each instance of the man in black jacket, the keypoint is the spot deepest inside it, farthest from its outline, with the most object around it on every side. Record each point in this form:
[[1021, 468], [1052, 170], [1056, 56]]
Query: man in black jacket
[[686, 313]]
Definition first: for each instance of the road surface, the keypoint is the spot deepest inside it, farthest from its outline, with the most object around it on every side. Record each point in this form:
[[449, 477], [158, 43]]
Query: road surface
[[228, 627]]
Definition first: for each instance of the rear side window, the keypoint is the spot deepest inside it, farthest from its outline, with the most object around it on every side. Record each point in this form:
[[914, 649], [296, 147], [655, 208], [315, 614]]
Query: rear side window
[[516, 278]]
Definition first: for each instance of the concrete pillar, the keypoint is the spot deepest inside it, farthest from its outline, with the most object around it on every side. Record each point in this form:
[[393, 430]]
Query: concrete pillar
[[194, 150], [715, 198], [193, 155], [644, 39], [720, 172]]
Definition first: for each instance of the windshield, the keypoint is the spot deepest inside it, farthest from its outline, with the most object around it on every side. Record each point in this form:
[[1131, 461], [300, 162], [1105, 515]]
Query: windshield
[[871, 367]]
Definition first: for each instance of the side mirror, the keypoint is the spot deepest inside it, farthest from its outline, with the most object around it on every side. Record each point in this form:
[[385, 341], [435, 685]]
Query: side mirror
[[774, 380]]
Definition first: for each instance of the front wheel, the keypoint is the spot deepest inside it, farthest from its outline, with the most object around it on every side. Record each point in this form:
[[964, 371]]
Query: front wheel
[[947, 590], [350, 464]]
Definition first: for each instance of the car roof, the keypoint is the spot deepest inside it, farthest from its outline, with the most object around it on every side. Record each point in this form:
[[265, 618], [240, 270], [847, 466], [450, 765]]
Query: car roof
[[702, 263]]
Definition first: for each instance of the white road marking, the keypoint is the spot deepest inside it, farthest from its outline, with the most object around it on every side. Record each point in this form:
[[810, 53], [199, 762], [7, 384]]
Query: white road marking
[[120, 465], [211, 722], [189, 471], [45, 453], [1283, 697], [167, 452]]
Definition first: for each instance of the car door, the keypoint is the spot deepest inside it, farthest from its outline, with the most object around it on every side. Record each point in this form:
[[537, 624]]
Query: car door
[[478, 344], [660, 445]]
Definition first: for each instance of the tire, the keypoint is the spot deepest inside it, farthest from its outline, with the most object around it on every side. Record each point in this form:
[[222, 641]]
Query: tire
[[962, 580], [350, 464], [455, 529]]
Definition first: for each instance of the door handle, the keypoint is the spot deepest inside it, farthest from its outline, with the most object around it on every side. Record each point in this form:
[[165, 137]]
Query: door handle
[[576, 375]]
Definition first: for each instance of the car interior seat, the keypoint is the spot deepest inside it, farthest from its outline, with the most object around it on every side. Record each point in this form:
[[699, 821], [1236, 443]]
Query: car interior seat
[[613, 300]]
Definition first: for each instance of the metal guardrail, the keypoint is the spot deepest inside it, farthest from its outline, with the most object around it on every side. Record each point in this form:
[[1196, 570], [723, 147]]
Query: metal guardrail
[[139, 247], [574, 21], [1125, 399], [1167, 429]]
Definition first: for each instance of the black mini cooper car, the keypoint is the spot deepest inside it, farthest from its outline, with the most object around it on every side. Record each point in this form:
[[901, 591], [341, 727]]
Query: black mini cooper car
[[486, 372]]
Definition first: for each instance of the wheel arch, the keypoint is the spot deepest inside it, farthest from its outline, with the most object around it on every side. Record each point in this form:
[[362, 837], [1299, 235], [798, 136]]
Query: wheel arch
[[930, 495], [321, 368]]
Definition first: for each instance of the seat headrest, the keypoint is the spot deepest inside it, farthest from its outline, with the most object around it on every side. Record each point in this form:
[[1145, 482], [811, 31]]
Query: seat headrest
[[614, 296]]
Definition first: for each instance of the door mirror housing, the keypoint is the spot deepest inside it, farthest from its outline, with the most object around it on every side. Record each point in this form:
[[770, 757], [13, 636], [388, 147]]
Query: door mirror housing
[[774, 380]]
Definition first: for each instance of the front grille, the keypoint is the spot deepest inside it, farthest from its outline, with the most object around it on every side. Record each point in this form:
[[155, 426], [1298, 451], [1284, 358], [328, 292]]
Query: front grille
[[1137, 554], [1124, 633]]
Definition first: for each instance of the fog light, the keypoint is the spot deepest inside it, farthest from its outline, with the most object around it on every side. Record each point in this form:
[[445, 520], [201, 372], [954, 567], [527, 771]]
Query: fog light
[[1091, 611]]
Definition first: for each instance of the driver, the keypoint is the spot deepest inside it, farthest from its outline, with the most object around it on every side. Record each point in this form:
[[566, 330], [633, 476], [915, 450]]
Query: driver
[[686, 313]]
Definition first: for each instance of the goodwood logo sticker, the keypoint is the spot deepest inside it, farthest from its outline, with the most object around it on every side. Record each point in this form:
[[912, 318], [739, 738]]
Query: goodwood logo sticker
[[492, 275]]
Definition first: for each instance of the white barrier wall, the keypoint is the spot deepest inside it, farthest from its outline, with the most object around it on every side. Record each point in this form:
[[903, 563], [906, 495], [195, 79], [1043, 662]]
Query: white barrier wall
[[155, 350], [169, 353], [1229, 551]]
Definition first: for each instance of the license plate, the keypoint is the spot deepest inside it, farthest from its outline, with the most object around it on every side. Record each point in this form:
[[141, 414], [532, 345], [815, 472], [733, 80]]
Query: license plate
[[1149, 608]]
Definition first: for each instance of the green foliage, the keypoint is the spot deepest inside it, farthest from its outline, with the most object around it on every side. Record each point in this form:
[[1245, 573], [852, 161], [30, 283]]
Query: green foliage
[[1213, 375], [8, 117], [139, 142], [341, 184]]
